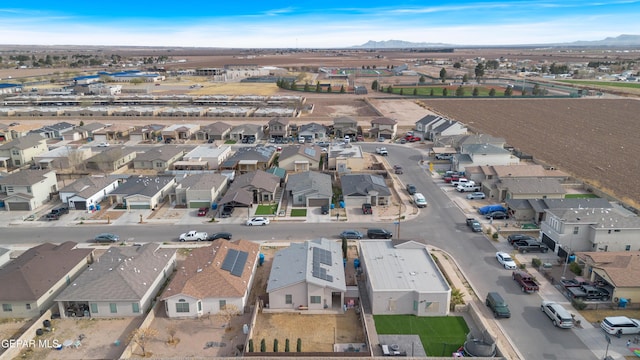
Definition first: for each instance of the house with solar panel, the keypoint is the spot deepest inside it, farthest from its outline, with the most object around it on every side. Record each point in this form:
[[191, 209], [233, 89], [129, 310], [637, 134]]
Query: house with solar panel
[[211, 279], [296, 158], [307, 276]]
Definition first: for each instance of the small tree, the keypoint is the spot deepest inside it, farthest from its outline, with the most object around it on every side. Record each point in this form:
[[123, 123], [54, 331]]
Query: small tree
[[171, 330], [286, 345], [401, 91], [227, 313], [457, 65], [141, 337], [318, 87], [431, 93], [460, 91], [445, 92], [475, 92], [443, 75], [389, 89], [479, 70], [374, 85], [263, 345], [465, 78], [299, 345], [344, 248], [492, 92], [342, 90], [329, 88], [250, 345], [508, 91], [415, 91], [422, 79], [275, 345], [306, 86]]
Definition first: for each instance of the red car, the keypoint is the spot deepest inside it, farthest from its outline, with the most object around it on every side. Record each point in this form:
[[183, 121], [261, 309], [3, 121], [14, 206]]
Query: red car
[[203, 211]]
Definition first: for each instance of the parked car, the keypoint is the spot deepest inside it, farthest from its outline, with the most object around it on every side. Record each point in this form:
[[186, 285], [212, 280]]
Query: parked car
[[193, 235], [57, 212], [491, 208], [620, 325], [258, 221], [497, 215], [419, 200], [474, 225], [226, 211], [559, 316], [367, 209], [476, 195], [106, 238], [506, 261], [498, 306], [324, 209], [351, 234], [527, 282], [203, 211], [377, 233], [411, 189], [517, 237], [103, 144], [220, 235], [444, 156], [397, 169]]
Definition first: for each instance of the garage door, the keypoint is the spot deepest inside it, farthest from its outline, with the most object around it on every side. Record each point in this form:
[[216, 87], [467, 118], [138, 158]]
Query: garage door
[[139, 206], [318, 202], [199, 204], [18, 206], [80, 205]]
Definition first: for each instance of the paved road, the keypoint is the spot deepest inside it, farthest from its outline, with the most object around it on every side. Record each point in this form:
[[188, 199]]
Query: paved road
[[440, 224]]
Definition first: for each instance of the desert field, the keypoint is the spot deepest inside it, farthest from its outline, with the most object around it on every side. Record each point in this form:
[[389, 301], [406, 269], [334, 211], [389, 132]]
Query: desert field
[[592, 139]]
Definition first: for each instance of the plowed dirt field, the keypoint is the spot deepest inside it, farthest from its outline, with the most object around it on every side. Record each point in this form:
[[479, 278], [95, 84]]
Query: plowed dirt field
[[593, 139]]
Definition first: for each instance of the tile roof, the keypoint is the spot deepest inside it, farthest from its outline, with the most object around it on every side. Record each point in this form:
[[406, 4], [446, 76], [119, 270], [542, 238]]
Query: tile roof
[[622, 267], [524, 170], [24, 142], [201, 275], [259, 153], [345, 120], [111, 154], [123, 273], [32, 274]]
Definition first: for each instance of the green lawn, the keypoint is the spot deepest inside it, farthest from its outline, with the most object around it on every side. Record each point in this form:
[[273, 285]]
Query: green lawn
[[440, 336], [231, 142], [581, 196], [266, 209], [298, 212], [622, 84]]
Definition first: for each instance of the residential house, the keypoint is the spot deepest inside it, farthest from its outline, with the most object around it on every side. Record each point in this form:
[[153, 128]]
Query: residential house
[[146, 133], [279, 128], [248, 159], [204, 157], [83, 132], [383, 127], [123, 281], [308, 275], [245, 131], [346, 158], [447, 128], [21, 130], [482, 154], [27, 190], [38, 275], [158, 158], [459, 141], [5, 133], [22, 150], [528, 188], [358, 189], [200, 190], [425, 124], [533, 210], [571, 230], [618, 269], [143, 192], [310, 188], [111, 159], [180, 131], [294, 158], [216, 131], [118, 132], [252, 188], [64, 157], [212, 279], [345, 126], [403, 278], [56, 130], [313, 132], [87, 192]]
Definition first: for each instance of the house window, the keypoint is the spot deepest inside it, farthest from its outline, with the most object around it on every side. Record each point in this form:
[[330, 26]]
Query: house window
[[29, 189], [415, 305], [94, 308], [575, 230], [135, 307], [199, 305], [223, 304], [15, 152], [288, 299], [182, 306], [159, 164], [28, 306], [113, 307], [316, 299], [300, 198], [16, 162], [7, 307], [627, 248]]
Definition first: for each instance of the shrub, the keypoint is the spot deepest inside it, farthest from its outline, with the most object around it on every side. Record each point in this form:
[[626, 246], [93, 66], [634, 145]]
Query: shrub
[[250, 345], [286, 345], [495, 236], [523, 266], [275, 345], [575, 268], [536, 262], [578, 304], [263, 345], [299, 345]]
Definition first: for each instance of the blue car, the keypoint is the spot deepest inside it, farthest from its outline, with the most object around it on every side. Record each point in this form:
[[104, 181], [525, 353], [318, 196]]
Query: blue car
[[351, 234]]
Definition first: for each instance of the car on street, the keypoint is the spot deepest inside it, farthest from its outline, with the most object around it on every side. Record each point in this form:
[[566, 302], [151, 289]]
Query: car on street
[[620, 325], [497, 215], [397, 169], [411, 189], [377, 233], [351, 234], [220, 235], [476, 196], [106, 238], [103, 144], [505, 260], [258, 221]]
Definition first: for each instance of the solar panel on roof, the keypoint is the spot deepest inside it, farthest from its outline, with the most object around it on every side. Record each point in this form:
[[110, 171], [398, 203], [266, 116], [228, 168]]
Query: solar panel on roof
[[238, 267], [229, 260]]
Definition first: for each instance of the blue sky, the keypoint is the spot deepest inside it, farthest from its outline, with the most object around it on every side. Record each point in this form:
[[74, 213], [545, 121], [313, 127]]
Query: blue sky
[[313, 24]]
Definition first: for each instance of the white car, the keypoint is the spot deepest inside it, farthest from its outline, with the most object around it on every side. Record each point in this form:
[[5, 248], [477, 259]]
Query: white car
[[505, 260], [258, 221], [620, 325], [103, 144]]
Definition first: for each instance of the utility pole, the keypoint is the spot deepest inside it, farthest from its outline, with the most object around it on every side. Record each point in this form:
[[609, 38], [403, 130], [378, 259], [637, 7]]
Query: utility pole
[[399, 216]]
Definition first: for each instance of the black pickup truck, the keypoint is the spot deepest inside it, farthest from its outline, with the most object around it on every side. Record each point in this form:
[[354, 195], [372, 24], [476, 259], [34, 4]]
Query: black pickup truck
[[531, 246], [588, 292]]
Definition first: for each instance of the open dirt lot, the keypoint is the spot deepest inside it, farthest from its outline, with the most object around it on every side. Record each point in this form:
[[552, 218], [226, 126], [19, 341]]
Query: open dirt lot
[[592, 139]]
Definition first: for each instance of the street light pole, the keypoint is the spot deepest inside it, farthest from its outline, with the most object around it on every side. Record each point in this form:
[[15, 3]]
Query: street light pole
[[566, 260]]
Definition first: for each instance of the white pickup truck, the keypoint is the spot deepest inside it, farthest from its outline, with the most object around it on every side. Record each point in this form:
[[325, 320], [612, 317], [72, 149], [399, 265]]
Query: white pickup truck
[[194, 236], [382, 151], [469, 186]]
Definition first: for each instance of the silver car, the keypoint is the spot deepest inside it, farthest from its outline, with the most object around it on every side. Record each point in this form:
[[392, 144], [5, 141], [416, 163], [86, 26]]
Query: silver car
[[476, 195]]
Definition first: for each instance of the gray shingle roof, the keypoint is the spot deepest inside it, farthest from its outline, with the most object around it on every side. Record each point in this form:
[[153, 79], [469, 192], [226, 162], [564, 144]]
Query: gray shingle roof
[[202, 181], [312, 152], [533, 186], [259, 153], [484, 149], [162, 153], [32, 274], [123, 273], [24, 177], [362, 184], [89, 185], [310, 182], [24, 142], [143, 185]]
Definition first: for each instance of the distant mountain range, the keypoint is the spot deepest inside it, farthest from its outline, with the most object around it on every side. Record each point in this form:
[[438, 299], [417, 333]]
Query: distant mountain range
[[621, 40]]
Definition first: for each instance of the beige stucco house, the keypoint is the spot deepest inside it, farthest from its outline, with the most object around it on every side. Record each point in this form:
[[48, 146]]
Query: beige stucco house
[[27, 190], [22, 150]]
